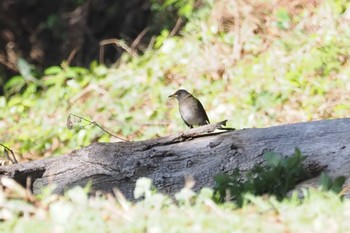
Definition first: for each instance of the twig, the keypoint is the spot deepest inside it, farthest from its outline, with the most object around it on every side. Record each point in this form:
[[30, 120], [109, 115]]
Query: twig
[[118, 43], [151, 43], [72, 54], [176, 27], [345, 190], [7, 151], [9, 65], [101, 55], [70, 125], [138, 38]]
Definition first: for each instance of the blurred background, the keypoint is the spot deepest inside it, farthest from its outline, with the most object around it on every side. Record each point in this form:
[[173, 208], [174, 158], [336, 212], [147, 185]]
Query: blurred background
[[256, 63]]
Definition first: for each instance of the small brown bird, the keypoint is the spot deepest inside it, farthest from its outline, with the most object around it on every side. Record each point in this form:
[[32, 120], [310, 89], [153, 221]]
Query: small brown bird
[[191, 110]]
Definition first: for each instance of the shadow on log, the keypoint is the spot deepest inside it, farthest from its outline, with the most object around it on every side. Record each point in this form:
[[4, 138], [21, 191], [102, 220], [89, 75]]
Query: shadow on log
[[168, 160]]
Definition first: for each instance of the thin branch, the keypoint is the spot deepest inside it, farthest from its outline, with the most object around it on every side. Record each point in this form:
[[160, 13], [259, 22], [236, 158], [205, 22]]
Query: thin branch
[[151, 43], [102, 55], [69, 125], [118, 43], [72, 54], [138, 38], [176, 27], [7, 151], [9, 65]]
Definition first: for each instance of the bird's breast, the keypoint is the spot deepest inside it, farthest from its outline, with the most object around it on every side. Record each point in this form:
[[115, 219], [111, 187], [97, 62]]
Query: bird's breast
[[192, 114]]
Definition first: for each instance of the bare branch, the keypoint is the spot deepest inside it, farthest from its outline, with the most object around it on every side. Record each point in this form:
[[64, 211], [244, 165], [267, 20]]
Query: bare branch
[[9, 152], [70, 125]]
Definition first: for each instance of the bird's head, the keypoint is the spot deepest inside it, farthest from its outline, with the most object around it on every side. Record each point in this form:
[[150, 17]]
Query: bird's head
[[180, 94]]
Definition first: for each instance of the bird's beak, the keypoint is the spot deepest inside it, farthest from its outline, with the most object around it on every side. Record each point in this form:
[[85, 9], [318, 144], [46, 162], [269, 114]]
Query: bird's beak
[[173, 95]]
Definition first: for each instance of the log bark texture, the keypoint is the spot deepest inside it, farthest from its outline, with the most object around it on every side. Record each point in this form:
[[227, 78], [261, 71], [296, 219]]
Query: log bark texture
[[168, 160]]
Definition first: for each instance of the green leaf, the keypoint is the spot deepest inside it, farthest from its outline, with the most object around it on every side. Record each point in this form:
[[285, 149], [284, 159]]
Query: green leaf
[[338, 184], [272, 159], [14, 84], [2, 102], [293, 162], [53, 70], [278, 177], [325, 181]]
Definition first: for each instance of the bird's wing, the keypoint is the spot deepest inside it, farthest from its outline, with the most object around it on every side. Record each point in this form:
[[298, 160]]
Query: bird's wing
[[202, 110]]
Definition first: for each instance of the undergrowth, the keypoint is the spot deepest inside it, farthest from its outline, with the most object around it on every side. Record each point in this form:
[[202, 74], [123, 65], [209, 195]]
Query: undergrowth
[[277, 176], [75, 211], [255, 63]]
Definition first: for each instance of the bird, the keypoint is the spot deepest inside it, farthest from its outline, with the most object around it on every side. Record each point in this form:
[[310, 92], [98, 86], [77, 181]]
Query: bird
[[191, 109]]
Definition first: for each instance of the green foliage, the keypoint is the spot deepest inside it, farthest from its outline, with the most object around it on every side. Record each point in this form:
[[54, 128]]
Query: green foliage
[[184, 8], [76, 211], [283, 19], [277, 177], [166, 14], [33, 109], [14, 85], [298, 72], [329, 184]]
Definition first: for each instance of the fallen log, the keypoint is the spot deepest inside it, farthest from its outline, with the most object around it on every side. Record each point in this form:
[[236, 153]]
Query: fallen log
[[168, 160]]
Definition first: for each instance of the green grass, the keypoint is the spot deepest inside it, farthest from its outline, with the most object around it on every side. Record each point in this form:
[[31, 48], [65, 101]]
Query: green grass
[[293, 67], [75, 212]]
